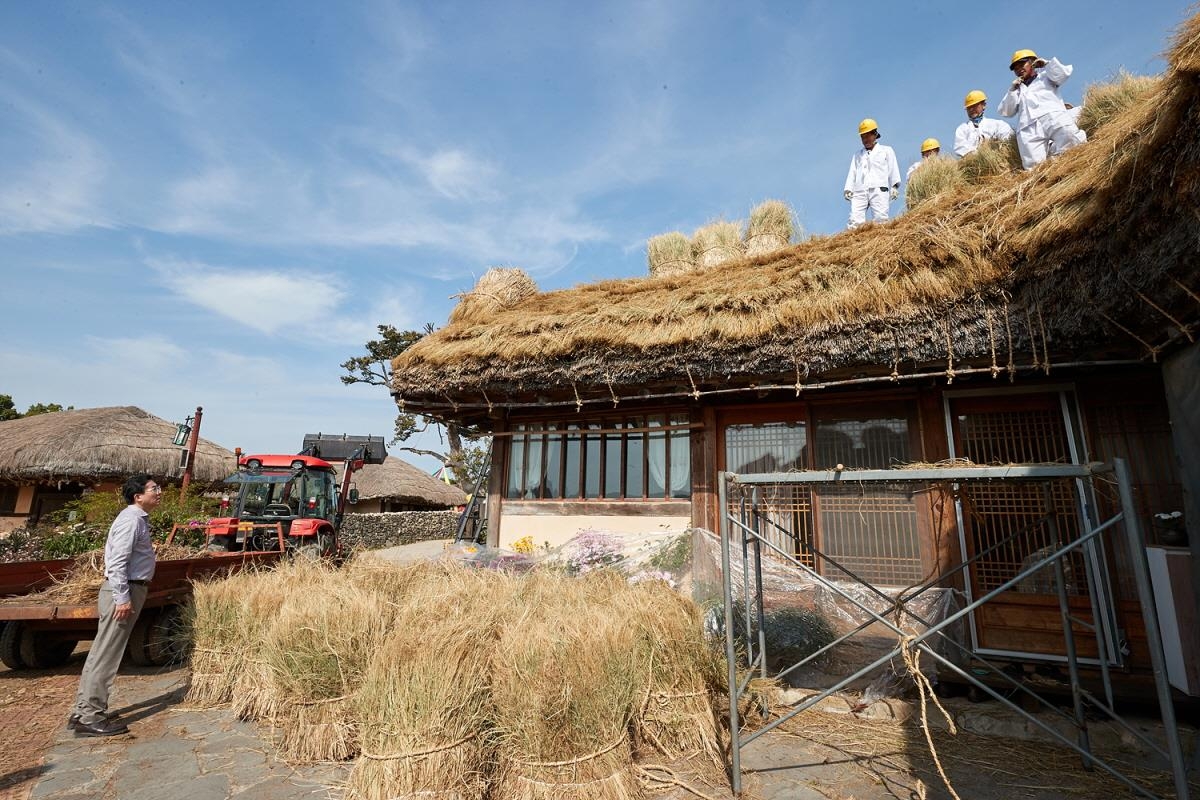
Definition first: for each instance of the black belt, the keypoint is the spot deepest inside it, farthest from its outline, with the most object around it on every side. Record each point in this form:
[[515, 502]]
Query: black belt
[[139, 582]]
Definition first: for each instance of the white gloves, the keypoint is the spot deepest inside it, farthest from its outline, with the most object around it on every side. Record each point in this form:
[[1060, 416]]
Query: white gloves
[[895, 192], [848, 194]]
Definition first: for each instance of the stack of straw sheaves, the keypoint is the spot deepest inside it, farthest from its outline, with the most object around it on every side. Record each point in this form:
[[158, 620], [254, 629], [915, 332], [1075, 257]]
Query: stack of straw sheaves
[[771, 227], [450, 682]]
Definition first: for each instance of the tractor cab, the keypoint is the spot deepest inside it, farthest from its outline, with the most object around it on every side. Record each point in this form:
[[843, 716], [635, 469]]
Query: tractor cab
[[282, 500], [292, 502]]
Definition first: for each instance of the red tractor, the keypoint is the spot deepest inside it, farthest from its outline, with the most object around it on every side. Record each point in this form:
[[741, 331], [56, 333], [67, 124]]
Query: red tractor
[[293, 503]]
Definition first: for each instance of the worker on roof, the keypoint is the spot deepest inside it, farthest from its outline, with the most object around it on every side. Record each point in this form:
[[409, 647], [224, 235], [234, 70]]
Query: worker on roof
[[874, 177], [1045, 125], [978, 128], [930, 148]]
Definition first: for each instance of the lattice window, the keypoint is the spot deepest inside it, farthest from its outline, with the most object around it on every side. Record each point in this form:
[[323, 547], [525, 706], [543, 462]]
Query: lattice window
[[871, 531], [1021, 429]]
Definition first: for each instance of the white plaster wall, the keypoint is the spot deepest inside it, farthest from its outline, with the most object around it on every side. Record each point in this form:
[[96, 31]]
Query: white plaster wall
[[556, 529]]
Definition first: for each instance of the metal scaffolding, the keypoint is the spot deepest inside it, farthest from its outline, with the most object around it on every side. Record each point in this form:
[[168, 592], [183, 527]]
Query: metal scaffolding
[[744, 533]]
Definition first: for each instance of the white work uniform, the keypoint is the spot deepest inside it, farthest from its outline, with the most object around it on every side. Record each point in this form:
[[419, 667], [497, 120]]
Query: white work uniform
[[969, 135], [1045, 126], [872, 174]]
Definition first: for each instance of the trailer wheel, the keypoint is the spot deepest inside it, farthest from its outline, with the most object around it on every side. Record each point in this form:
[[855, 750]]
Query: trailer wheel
[[158, 638], [22, 648], [10, 645], [168, 642], [135, 648]]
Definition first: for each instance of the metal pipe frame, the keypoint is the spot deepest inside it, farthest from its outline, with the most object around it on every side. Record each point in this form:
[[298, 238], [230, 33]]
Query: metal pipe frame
[[955, 474]]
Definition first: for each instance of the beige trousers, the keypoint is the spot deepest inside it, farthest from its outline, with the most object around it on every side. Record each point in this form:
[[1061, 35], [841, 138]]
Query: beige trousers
[[103, 660]]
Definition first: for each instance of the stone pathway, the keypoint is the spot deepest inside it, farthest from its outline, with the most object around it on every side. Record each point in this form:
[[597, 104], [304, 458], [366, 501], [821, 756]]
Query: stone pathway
[[176, 751]]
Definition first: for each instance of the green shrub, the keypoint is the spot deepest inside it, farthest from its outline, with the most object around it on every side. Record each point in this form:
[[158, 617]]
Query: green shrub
[[673, 555], [80, 539]]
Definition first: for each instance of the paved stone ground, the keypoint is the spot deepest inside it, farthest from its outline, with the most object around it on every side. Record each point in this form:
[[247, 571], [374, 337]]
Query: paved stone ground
[[172, 751]]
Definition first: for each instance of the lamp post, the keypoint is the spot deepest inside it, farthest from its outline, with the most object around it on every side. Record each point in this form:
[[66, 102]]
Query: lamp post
[[193, 438]]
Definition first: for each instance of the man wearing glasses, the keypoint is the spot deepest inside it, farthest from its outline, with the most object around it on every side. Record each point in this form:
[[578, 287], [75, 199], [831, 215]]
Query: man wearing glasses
[[128, 568], [1045, 124]]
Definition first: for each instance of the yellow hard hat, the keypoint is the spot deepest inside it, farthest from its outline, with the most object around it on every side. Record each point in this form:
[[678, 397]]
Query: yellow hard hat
[[974, 96], [1021, 55], [866, 126], [930, 144]]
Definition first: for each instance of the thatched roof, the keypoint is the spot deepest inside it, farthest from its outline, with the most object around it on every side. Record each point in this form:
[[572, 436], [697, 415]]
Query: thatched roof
[[91, 445], [1092, 255], [400, 481]]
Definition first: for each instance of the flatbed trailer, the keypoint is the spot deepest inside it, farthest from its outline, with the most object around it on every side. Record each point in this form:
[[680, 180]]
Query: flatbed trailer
[[41, 633]]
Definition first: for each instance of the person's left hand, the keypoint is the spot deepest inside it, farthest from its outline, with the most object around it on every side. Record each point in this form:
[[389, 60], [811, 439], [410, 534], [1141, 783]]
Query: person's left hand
[[895, 192], [123, 611]]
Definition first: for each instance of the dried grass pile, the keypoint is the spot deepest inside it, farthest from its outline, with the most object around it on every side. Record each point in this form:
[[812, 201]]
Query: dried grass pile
[[682, 672], [716, 243], [669, 254], [317, 652], [463, 683], [1104, 101], [771, 227], [219, 649], [564, 690], [934, 176], [423, 706], [499, 288]]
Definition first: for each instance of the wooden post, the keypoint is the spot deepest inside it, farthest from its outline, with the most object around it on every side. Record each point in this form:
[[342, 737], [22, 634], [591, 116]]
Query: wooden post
[[191, 451]]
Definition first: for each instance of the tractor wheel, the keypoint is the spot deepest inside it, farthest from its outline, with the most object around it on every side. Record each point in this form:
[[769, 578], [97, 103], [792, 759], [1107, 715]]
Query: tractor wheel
[[10, 645], [33, 649], [318, 547]]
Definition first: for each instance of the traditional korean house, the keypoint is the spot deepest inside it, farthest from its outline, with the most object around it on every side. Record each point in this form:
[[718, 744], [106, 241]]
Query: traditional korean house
[[396, 485], [1047, 316], [49, 459]]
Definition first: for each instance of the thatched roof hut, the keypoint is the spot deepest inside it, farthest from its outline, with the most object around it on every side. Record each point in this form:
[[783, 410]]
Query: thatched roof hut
[[96, 445], [1091, 256], [396, 482]]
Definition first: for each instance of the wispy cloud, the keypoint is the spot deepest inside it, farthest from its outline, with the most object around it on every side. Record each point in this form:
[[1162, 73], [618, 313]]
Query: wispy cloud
[[294, 303]]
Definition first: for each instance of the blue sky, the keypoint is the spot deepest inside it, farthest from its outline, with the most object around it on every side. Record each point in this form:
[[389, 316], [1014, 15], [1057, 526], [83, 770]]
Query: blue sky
[[216, 203]]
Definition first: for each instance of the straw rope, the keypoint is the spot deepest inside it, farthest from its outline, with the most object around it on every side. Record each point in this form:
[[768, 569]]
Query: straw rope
[[580, 759], [1187, 329], [416, 753], [1189, 292], [323, 701], [912, 660], [573, 785], [655, 783]]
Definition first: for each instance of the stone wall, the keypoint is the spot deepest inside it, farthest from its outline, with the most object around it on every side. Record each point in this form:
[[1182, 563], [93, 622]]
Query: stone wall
[[373, 531]]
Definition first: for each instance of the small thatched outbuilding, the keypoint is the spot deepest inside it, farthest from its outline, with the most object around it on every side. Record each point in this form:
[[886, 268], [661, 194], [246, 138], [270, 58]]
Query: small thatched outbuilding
[[396, 485], [48, 459]]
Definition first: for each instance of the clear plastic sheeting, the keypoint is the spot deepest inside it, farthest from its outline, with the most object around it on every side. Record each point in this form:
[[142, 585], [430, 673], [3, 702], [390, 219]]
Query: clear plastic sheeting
[[657, 555], [803, 612]]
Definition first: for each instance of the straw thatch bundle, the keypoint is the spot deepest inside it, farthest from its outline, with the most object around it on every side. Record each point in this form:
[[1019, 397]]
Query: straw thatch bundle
[[563, 697], [676, 714], [422, 708], [90, 445], [669, 254], [771, 227], [500, 288], [991, 158], [934, 176], [317, 651], [716, 243], [1104, 101], [219, 648]]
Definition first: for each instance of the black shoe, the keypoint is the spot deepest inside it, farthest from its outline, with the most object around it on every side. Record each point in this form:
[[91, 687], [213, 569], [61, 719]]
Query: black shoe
[[100, 728], [107, 716]]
